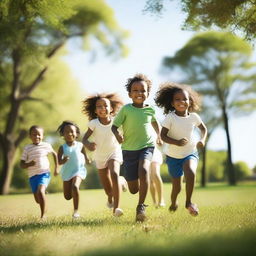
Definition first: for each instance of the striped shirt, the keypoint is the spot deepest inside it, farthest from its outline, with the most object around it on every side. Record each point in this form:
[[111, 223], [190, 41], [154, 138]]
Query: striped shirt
[[37, 153]]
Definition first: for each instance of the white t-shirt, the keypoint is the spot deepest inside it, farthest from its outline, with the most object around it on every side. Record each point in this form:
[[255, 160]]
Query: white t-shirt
[[105, 140], [37, 153], [181, 127]]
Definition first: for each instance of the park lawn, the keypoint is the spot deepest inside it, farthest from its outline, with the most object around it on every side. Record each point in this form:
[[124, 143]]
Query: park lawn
[[226, 225]]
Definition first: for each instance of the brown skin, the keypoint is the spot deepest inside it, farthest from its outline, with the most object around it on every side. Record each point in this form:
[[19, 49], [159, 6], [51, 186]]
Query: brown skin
[[181, 104]]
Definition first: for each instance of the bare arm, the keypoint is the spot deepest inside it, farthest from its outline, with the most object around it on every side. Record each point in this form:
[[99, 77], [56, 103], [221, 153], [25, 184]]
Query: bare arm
[[25, 165], [170, 140], [118, 136], [203, 130], [61, 158], [89, 145], [157, 129], [55, 159], [83, 151]]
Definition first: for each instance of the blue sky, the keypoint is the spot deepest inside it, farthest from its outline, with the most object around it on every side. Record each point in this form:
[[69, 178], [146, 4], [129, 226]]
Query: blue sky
[[151, 39]]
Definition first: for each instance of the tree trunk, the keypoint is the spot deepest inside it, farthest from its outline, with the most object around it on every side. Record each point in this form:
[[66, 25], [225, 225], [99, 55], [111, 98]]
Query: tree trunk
[[230, 166], [203, 170], [8, 153]]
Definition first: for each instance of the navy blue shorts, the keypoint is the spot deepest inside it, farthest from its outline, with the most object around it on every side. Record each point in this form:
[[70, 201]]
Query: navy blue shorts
[[131, 160], [175, 165], [41, 179]]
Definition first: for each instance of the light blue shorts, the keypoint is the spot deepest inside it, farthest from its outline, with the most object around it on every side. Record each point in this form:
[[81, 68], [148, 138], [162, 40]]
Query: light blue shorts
[[175, 165], [41, 179]]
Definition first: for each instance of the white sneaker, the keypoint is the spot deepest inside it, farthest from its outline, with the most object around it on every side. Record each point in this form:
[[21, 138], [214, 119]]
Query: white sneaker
[[123, 183], [110, 205], [161, 205], [118, 212], [76, 215]]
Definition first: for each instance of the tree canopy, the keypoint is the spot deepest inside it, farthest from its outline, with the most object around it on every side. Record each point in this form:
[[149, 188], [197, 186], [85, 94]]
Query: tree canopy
[[218, 65], [232, 15]]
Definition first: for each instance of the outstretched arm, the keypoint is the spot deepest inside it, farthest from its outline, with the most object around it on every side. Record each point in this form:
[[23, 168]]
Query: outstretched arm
[[170, 140], [89, 145], [88, 161], [118, 136]]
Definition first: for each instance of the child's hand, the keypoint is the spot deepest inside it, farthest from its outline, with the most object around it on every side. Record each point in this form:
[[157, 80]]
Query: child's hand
[[91, 146], [55, 172], [88, 161], [119, 138], [31, 163], [182, 142], [65, 159], [200, 144], [159, 141]]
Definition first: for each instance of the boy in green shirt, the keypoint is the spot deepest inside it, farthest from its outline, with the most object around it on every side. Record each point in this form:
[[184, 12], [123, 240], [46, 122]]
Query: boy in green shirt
[[137, 140]]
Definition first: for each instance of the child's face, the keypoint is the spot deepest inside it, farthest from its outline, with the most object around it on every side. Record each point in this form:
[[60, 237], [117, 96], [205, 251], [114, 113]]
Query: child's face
[[139, 93], [180, 101], [36, 135], [70, 133], [103, 108]]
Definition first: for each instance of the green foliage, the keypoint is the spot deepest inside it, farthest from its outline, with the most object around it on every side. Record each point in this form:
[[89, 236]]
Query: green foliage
[[242, 170], [215, 166]]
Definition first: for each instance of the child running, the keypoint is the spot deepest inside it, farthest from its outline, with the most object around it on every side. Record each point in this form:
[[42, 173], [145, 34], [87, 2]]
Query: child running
[[156, 183], [137, 140], [72, 156], [34, 158], [179, 103], [100, 109]]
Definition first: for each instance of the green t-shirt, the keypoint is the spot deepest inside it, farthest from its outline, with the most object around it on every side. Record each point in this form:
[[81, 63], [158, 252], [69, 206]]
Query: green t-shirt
[[136, 125]]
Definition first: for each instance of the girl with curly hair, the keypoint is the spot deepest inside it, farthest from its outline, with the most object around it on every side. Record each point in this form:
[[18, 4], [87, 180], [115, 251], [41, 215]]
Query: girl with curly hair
[[100, 109], [180, 103]]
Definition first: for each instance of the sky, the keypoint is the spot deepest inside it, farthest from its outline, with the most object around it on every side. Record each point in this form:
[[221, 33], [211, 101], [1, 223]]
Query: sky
[[152, 38]]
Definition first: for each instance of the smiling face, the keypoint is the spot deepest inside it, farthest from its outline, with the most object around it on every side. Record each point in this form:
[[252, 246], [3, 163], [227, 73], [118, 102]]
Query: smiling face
[[69, 134], [36, 135], [138, 93], [103, 108], [180, 102]]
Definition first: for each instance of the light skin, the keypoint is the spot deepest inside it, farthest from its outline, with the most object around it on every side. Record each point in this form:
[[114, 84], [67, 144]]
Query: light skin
[[181, 104], [71, 187], [36, 135], [109, 176], [139, 93]]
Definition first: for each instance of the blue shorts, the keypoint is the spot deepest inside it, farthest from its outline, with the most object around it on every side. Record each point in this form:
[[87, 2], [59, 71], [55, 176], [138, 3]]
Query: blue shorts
[[41, 179], [175, 166], [131, 160]]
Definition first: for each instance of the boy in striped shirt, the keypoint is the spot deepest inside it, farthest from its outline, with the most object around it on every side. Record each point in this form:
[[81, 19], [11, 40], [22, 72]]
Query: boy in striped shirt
[[35, 159]]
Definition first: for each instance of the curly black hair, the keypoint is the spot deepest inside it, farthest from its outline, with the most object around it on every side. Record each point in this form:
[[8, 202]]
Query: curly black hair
[[138, 78], [65, 123], [89, 104], [164, 96]]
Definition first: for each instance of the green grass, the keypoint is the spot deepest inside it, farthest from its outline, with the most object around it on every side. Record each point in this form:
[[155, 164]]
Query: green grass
[[226, 225]]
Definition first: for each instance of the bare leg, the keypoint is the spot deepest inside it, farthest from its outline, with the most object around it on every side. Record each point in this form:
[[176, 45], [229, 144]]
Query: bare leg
[[152, 189], [105, 179], [41, 199], [67, 189], [189, 172], [143, 171], [114, 168], [176, 188], [157, 180], [76, 181]]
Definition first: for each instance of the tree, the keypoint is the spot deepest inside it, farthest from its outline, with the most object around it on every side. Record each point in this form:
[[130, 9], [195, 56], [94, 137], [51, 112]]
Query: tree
[[217, 65], [242, 170], [232, 15], [32, 33]]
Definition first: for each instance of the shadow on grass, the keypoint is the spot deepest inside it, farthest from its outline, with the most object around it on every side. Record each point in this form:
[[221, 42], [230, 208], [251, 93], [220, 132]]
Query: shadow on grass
[[238, 243], [39, 225]]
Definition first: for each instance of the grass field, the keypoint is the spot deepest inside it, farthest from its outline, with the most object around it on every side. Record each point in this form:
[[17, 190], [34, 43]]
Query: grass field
[[226, 225]]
